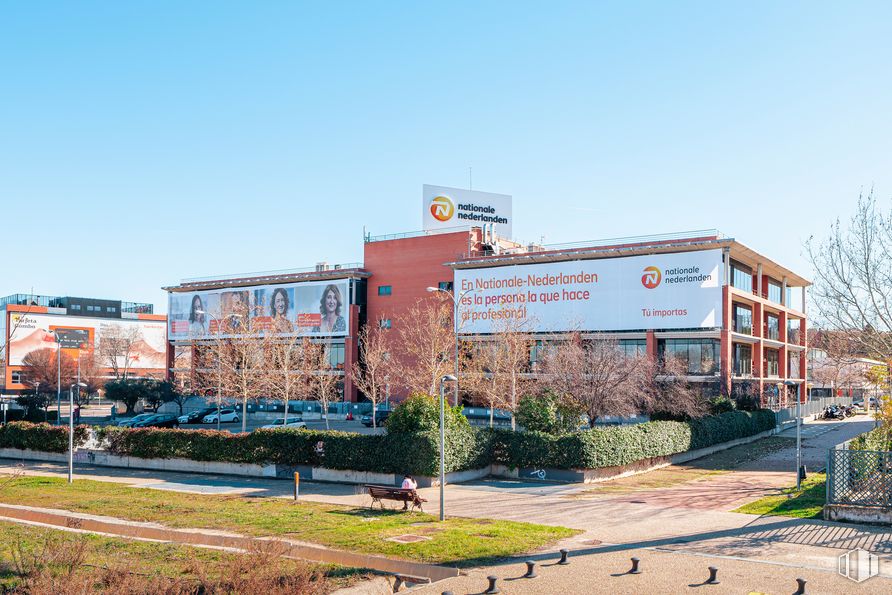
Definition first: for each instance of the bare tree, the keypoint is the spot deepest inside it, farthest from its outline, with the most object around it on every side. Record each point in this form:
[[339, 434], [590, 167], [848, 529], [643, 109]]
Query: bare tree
[[499, 366], [117, 346], [425, 344], [322, 380], [243, 365], [853, 277], [287, 367], [597, 377], [91, 374], [837, 365], [41, 366], [371, 374], [670, 391]]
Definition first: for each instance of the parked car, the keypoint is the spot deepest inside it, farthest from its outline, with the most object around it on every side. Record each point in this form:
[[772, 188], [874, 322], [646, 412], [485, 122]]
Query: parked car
[[381, 416], [293, 422], [128, 423], [228, 415], [194, 417], [161, 420]]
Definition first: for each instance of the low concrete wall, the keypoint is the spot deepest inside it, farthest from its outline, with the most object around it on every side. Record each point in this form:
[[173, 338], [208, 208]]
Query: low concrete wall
[[875, 515]]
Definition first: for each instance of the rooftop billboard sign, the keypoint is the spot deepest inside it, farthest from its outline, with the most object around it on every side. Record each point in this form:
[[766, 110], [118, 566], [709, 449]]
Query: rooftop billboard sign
[[444, 207], [660, 291]]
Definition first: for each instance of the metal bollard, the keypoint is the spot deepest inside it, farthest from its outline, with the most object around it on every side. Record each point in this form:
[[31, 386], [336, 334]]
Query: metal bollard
[[492, 588], [531, 570], [296, 485], [563, 561], [712, 580], [801, 586], [635, 566]]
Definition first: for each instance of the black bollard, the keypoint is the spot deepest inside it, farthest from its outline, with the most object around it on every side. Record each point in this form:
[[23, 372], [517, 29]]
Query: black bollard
[[563, 561], [712, 580], [447, 592], [635, 566], [531, 570], [800, 582], [492, 588]]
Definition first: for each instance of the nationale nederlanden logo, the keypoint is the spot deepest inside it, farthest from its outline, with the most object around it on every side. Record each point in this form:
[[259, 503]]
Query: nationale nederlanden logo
[[651, 277], [442, 208]]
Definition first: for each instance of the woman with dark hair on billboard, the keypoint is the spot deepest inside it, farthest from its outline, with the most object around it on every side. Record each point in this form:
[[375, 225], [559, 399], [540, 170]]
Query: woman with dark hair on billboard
[[330, 308], [278, 308], [197, 325]]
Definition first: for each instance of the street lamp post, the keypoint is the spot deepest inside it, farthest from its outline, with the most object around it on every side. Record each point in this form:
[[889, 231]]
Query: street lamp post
[[456, 302], [443, 381], [790, 383], [219, 367], [79, 385]]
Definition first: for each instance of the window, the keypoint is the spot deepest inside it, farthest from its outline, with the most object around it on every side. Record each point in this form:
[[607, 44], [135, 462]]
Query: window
[[741, 276], [384, 290], [742, 321], [16, 377], [384, 323], [336, 356], [633, 347], [793, 359], [445, 285], [743, 360], [775, 290], [772, 328], [111, 309], [699, 354], [771, 360], [76, 307], [92, 308], [793, 326]]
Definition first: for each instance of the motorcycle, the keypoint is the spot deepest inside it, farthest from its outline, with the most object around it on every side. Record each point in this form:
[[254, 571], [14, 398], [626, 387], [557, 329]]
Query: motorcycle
[[832, 412]]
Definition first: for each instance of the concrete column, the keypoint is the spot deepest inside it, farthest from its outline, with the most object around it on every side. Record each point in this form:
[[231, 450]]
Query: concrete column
[[759, 280]]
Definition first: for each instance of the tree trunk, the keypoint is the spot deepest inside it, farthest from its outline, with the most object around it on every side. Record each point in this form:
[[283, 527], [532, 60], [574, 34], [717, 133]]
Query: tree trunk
[[491, 413], [244, 415], [374, 421]]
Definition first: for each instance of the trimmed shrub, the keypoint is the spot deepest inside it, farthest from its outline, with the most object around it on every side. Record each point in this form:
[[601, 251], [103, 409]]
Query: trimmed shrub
[[621, 445], [44, 437]]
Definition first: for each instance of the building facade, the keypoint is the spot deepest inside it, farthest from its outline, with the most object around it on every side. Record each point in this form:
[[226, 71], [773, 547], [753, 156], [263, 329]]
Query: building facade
[[32, 322]]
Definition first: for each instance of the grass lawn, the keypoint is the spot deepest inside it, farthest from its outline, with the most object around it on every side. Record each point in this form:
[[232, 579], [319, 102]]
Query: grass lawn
[[457, 541], [146, 559], [806, 504]]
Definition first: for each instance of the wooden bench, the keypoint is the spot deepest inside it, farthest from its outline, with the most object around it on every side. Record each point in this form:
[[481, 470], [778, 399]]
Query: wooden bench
[[381, 493]]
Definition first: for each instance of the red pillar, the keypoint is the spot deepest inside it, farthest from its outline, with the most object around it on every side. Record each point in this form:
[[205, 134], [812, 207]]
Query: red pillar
[[651, 345]]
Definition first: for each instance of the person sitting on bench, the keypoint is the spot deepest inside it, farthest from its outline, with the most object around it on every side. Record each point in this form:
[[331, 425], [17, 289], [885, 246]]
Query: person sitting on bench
[[409, 483]]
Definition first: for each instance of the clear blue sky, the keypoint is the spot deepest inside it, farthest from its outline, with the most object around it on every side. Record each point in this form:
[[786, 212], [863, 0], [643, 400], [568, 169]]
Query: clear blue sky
[[144, 142]]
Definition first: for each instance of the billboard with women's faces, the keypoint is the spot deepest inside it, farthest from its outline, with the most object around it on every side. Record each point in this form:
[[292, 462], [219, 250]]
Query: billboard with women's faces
[[313, 308]]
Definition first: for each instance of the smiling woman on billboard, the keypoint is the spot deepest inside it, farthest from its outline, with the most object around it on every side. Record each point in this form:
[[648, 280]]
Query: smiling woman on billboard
[[330, 307]]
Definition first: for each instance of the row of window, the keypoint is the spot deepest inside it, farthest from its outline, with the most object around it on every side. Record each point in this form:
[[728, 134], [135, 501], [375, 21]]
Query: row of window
[[109, 309], [388, 289], [743, 362], [742, 322], [742, 279]]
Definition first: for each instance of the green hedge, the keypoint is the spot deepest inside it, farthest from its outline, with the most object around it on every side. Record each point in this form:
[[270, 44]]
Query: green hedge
[[44, 437], [415, 453], [621, 445], [389, 453], [879, 439]]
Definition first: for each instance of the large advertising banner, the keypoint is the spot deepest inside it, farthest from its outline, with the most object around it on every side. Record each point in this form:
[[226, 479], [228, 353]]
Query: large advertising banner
[[444, 207], [38, 331], [662, 291], [315, 308]]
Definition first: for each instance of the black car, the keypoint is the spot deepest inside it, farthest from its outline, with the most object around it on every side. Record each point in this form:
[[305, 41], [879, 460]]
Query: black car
[[381, 416], [160, 420]]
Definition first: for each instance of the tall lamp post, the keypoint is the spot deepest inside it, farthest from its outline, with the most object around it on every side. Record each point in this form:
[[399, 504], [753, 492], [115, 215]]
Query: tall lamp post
[[456, 301], [788, 384], [79, 385], [443, 381], [219, 368]]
